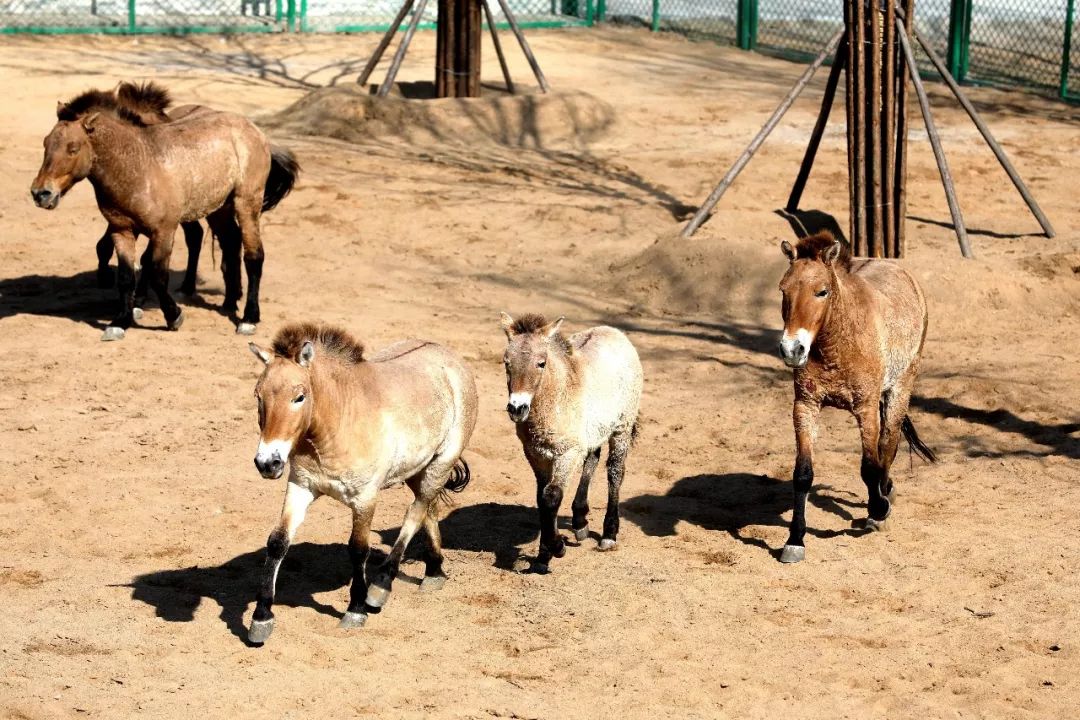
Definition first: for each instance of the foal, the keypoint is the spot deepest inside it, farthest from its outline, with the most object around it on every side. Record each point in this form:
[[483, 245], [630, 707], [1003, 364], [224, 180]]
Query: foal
[[350, 426], [853, 333], [150, 177], [570, 396]]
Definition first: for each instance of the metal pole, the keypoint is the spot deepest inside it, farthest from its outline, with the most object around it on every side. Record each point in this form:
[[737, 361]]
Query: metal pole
[[384, 43], [1066, 51], [540, 79], [770, 124], [839, 62], [987, 136], [498, 46], [935, 143], [399, 56]]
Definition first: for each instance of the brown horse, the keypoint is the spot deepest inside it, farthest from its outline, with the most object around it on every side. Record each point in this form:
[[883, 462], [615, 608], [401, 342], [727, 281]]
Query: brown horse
[[350, 426], [854, 333], [150, 177], [569, 396]]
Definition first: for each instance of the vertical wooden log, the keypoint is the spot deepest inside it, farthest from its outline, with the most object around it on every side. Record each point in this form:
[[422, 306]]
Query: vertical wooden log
[[457, 49], [874, 237], [888, 150], [859, 15], [849, 106], [902, 124]]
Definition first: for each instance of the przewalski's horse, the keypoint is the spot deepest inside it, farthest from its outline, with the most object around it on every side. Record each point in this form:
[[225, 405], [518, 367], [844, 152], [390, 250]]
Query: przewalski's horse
[[350, 426], [148, 178], [568, 397], [151, 102], [854, 333]]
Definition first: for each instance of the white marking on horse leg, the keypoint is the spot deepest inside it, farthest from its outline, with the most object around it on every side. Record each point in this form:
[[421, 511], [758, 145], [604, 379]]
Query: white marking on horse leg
[[297, 500]]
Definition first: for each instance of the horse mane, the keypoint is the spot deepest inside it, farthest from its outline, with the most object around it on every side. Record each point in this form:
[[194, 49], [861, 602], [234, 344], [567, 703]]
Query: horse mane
[[813, 247], [130, 102], [534, 322], [332, 340]]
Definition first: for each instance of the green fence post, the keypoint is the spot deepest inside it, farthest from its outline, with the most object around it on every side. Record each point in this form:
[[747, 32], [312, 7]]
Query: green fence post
[[655, 25], [959, 38], [303, 16], [131, 16], [746, 22], [1066, 52], [589, 14], [277, 11], [601, 10]]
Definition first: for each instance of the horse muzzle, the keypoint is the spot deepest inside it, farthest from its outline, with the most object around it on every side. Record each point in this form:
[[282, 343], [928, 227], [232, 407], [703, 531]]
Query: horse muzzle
[[45, 198], [518, 413], [795, 351], [270, 467]]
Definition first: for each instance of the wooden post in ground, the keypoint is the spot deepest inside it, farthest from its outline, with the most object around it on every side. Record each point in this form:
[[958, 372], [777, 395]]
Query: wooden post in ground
[[457, 49]]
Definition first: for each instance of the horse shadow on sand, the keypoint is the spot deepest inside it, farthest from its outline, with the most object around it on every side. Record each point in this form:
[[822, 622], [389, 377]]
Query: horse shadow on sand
[[79, 298], [311, 569], [733, 502]]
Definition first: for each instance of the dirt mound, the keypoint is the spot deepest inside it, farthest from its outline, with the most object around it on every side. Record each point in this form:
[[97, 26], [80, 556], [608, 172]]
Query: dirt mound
[[557, 119]]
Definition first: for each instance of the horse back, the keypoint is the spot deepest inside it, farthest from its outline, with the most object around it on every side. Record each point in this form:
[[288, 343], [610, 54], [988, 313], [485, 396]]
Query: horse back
[[899, 308], [609, 377]]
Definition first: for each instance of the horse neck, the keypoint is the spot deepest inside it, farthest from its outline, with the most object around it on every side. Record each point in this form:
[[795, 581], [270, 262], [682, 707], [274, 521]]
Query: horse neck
[[121, 152], [336, 391], [845, 316], [556, 386]]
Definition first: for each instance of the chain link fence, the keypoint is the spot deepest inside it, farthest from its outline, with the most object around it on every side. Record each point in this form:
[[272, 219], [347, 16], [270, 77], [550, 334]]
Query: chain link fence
[[1008, 42]]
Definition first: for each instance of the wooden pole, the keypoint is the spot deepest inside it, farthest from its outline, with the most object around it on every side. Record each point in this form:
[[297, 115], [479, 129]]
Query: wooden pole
[[935, 142], [849, 106], [859, 242], [540, 79], [498, 47], [902, 125], [770, 124], [399, 56], [888, 150], [384, 43], [1002, 158], [839, 62], [874, 237]]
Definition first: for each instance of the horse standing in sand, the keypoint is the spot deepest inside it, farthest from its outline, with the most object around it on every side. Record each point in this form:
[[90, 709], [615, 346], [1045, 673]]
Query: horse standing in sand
[[149, 178], [854, 333], [568, 397], [351, 426]]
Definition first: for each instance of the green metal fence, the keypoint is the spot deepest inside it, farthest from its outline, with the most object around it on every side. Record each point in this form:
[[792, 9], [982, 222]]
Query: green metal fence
[[1027, 43]]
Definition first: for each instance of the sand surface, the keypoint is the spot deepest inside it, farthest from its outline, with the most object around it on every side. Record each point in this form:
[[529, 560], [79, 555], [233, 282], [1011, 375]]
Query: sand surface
[[132, 520]]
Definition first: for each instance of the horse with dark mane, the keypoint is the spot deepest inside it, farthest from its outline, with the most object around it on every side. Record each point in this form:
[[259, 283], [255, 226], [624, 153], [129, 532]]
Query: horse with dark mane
[[150, 176], [853, 333]]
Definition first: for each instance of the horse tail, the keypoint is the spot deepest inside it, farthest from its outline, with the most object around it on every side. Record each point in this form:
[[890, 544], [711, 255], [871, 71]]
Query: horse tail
[[915, 442], [460, 476], [284, 170]]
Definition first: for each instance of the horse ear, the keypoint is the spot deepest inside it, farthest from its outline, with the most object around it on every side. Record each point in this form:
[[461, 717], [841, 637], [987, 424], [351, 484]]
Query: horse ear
[[552, 328], [507, 323], [307, 354], [89, 120], [788, 250], [60, 107], [832, 253], [259, 353]]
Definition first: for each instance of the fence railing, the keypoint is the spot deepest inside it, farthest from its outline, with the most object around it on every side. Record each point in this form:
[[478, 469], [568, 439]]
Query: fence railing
[[1027, 43]]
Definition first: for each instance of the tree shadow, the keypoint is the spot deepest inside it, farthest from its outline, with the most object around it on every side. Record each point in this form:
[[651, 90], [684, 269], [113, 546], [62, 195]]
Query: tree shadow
[[733, 502], [976, 231], [1057, 439], [808, 222], [308, 569]]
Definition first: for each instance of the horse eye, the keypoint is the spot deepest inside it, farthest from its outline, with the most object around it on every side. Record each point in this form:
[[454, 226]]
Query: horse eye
[[72, 149], [299, 399], [542, 363], [822, 293]]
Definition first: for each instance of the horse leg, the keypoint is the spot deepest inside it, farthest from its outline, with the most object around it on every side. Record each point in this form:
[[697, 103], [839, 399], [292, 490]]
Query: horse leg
[[161, 251], [359, 548], [549, 497], [618, 449], [124, 244], [105, 277], [193, 237], [894, 407], [873, 470], [297, 500], [580, 506], [142, 286], [379, 588], [223, 224], [434, 574], [247, 216], [804, 416]]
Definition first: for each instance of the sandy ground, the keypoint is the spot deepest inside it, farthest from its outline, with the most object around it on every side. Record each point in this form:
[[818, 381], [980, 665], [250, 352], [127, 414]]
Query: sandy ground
[[132, 521]]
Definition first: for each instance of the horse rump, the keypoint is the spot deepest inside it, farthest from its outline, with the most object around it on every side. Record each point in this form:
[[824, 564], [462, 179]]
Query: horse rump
[[460, 476], [284, 169], [915, 442]]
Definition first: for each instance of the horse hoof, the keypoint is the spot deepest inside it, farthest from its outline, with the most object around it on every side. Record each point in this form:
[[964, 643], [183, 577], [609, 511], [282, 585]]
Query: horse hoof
[[352, 620], [112, 333], [177, 322], [377, 596], [792, 554], [245, 328], [883, 525], [137, 314], [539, 568], [581, 534], [607, 545], [260, 630], [522, 565], [432, 583]]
